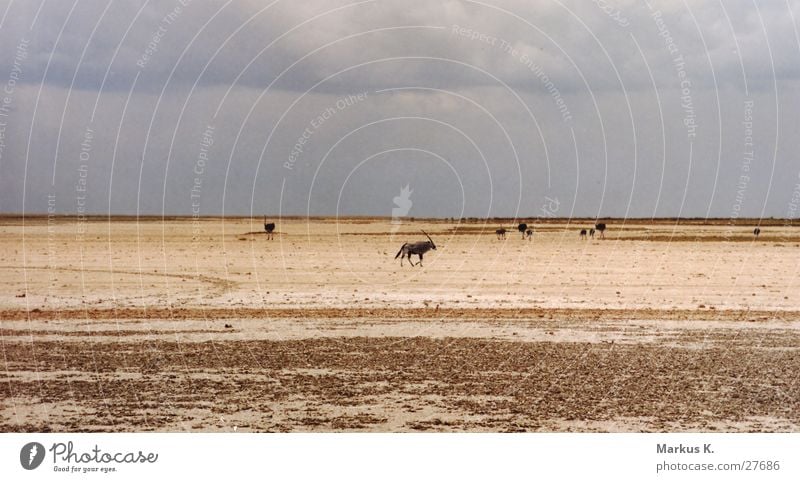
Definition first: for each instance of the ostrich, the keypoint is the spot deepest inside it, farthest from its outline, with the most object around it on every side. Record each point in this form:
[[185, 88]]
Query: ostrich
[[501, 233], [602, 228], [756, 232], [522, 228], [591, 232], [419, 248], [269, 228], [583, 234]]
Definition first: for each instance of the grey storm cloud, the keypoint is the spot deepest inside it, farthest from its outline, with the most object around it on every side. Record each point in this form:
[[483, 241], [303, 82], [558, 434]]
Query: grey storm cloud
[[612, 108]]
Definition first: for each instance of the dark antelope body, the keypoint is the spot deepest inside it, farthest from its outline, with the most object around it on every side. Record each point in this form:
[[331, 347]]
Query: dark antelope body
[[601, 227], [269, 228], [419, 248]]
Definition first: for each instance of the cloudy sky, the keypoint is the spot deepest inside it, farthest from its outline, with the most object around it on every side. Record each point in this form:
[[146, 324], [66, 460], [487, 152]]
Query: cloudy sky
[[482, 108]]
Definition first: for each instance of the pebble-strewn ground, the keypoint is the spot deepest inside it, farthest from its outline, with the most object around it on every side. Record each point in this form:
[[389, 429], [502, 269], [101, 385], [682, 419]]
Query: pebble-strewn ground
[[149, 329]]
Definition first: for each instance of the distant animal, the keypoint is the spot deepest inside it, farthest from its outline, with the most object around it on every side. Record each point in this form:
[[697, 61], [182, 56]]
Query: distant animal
[[501, 233], [269, 228], [529, 234], [591, 232], [523, 228], [583, 234], [756, 232], [419, 248], [602, 228]]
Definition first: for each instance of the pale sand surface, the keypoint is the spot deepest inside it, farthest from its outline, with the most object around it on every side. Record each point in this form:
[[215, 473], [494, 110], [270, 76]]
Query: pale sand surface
[[121, 325]]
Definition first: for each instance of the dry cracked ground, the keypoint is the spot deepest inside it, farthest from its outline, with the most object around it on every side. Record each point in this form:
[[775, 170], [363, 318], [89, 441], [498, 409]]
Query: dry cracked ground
[[182, 325]]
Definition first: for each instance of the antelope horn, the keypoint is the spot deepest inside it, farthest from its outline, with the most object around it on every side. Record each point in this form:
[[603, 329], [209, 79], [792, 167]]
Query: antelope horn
[[429, 238]]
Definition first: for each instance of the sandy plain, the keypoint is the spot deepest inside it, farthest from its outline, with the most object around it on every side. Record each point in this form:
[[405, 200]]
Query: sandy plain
[[205, 325]]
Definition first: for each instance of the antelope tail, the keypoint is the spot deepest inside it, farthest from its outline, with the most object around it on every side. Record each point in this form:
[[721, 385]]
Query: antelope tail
[[401, 250]]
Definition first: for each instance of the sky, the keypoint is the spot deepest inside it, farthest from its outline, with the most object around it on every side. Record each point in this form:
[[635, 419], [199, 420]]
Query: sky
[[514, 108]]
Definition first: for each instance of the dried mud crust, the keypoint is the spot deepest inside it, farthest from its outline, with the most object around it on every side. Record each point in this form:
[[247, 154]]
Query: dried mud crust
[[176, 325], [212, 313], [400, 384]]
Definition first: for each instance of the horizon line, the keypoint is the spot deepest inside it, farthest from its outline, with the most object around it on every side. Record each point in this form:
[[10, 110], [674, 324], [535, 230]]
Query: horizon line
[[539, 219]]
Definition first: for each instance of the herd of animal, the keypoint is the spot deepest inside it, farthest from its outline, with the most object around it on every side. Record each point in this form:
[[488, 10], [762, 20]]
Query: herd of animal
[[599, 227], [522, 228], [527, 233], [419, 248]]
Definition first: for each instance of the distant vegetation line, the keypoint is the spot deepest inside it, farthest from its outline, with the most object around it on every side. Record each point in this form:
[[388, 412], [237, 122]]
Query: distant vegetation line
[[470, 220]]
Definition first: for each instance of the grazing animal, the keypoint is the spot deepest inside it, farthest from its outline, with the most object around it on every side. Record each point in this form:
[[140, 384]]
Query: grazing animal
[[756, 232], [583, 234], [602, 228], [269, 228], [529, 234], [522, 228], [419, 248], [501, 233], [591, 232]]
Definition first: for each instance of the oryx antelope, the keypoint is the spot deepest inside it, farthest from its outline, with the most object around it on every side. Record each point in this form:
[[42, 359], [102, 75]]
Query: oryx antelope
[[269, 228], [501, 233], [529, 234], [756, 232], [419, 248], [583, 234]]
